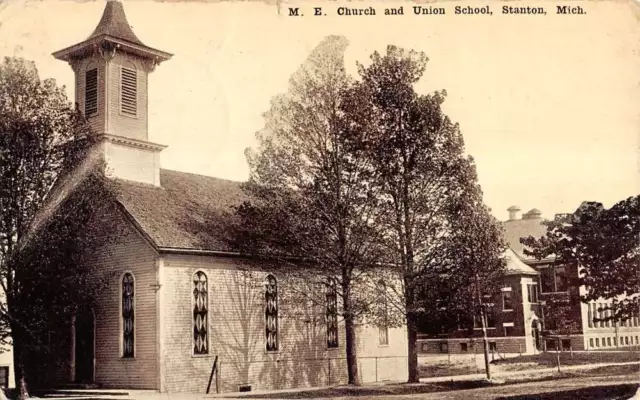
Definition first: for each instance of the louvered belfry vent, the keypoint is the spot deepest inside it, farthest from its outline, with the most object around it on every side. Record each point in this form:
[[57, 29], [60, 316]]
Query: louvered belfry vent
[[91, 92], [129, 92]]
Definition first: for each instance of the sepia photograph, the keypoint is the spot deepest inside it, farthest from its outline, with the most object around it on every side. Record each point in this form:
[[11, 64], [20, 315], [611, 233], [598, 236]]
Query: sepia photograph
[[319, 199]]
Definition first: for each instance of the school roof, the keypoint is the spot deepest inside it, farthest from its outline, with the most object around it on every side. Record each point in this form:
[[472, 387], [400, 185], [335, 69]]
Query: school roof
[[521, 228]]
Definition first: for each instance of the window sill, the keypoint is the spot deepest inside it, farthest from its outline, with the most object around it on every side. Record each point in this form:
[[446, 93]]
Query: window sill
[[201, 355], [383, 345], [127, 359], [509, 310]]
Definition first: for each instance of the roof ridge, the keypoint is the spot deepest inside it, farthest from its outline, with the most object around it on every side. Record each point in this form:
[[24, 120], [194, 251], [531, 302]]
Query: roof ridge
[[199, 175]]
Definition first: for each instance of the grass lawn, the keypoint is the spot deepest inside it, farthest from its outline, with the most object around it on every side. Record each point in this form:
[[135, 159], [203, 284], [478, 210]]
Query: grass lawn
[[449, 369], [615, 392], [408, 389], [582, 358]]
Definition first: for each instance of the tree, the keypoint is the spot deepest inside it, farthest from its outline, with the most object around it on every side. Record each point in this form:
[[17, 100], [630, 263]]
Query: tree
[[309, 209], [603, 245], [418, 169], [46, 201], [477, 257]]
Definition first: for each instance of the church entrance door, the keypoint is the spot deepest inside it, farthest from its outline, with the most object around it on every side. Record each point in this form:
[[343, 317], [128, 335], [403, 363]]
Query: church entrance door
[[85, 331]]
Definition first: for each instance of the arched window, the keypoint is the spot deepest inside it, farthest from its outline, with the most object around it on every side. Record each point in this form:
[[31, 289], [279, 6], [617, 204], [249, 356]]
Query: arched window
[[271, 313], [332, 314], [128, 315], [200, 311]]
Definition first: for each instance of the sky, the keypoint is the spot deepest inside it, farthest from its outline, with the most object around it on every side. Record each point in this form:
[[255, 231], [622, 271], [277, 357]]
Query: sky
[[548, 105]]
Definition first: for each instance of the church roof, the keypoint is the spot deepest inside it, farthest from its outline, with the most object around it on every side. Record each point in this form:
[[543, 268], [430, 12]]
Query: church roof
[[516, 229], [113, 31], [188, 211], [114, 23]]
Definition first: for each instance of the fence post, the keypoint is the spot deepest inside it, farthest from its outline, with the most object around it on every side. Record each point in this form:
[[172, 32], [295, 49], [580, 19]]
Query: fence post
[[558, 353], [571, 350], [277, 374], [376, 369], [218, 376], [475, 359]]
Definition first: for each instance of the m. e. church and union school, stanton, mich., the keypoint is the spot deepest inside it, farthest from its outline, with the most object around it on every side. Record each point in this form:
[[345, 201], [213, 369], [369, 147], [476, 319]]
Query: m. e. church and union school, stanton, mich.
[[432, 10]]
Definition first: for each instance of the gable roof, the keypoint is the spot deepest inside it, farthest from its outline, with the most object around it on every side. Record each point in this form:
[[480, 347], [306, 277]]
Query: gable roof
[[188, 211], [515, 266], [521, 228]]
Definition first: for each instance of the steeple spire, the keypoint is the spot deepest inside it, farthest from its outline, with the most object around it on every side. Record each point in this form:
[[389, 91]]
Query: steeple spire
[[113, 32], [114, 23], [112, 67]]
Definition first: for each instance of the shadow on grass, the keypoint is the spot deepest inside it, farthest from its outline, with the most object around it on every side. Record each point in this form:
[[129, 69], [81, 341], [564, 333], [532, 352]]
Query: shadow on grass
[[605, 392], [615, 392], [382, 390]]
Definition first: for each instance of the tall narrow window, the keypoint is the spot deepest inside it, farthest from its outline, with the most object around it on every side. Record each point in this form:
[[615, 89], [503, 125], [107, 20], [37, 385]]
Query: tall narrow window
[[271, 313], [128, 313], [200, 311], [332, 314], [91, 92], [383, 328], [491, 318], [590, 316], [532, 293], [561, 278], [546, 280], [507, 301], [129, 91]]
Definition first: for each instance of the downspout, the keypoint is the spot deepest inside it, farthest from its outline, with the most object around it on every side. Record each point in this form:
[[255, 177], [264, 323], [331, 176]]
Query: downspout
[[160, 384]]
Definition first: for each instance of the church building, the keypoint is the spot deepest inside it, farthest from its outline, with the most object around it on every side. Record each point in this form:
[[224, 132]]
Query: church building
[[178, 306]]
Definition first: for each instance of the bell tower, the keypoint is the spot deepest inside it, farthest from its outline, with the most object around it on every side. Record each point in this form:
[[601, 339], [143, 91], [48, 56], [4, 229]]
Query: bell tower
[[111, 88]]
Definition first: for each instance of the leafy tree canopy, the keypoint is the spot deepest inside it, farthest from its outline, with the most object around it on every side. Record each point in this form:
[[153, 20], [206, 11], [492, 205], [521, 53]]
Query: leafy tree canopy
[[604, 244]]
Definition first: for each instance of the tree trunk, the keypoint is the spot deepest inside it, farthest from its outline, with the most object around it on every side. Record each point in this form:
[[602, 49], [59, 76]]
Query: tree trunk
[[483, 324], [350, 329], [352, 356], [18, 362], [412, 353]]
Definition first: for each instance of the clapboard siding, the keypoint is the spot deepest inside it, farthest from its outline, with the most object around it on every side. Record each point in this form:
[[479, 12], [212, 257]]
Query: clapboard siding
[[130, 253], [96, 121], [119, 123], [237, 333]]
